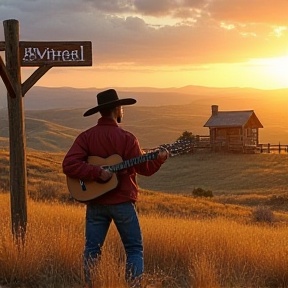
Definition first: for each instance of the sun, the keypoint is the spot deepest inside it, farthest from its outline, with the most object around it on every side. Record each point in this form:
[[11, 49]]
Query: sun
[[278, 66], [275, 69]]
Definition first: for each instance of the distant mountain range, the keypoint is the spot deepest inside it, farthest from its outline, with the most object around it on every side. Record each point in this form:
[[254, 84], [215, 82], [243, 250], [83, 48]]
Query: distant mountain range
[[54, 115], [42, 98]]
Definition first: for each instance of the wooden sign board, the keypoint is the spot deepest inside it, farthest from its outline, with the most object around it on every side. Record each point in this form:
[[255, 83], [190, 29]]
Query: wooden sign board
[[55, 53]]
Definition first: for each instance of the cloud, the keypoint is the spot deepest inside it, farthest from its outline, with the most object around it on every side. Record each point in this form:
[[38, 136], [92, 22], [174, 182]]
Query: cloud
[[243, 11], [111, 6], [188, 32], [155, 8], [173, 8], [247, 11]]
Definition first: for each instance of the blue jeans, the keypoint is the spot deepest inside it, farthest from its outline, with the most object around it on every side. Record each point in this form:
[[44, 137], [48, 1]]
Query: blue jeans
[[98, 220]]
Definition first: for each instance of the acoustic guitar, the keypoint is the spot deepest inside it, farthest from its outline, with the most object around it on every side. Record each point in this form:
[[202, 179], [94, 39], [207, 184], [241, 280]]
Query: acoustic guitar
[[83, 191]]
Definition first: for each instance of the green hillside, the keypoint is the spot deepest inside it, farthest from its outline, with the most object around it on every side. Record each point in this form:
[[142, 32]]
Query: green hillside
[[42, 135]]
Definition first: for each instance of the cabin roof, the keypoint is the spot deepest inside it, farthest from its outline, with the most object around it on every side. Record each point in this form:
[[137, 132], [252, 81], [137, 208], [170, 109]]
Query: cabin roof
[[233, 119]]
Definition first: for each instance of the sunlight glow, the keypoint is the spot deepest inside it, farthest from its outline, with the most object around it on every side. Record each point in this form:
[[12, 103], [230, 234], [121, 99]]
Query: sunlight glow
[[274, 68], [268, 73], [278, 30]]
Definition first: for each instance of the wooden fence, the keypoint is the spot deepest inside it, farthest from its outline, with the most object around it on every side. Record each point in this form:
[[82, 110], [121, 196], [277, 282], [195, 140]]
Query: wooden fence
[[201, 142], [272, 148]]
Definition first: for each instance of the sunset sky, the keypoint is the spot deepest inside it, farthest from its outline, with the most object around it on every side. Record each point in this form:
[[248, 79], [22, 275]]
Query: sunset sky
[[161, 43]]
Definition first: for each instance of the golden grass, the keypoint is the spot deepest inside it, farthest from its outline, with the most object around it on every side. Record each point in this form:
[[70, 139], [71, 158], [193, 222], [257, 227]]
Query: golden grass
[[217, 253], [179, 252], [163, 204], [224, 174], [48, 256], [189, 242]]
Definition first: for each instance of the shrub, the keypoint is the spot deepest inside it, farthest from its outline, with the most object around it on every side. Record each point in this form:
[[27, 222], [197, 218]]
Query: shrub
[[186, 135], [199, 192], [45, 190], [263, 214]]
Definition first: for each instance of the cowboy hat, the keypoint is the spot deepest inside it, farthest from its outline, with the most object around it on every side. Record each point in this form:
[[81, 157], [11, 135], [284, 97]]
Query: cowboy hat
[[108, 99]]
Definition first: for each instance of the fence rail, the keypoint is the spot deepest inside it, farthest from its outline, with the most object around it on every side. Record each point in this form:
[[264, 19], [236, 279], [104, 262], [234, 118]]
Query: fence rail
[[270, 148], [203, 142]]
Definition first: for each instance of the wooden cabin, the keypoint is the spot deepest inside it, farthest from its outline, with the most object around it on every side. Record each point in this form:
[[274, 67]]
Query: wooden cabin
[[233, 130]]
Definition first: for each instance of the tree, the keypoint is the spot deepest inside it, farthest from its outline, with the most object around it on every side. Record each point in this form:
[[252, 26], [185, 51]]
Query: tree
[[186, 135]]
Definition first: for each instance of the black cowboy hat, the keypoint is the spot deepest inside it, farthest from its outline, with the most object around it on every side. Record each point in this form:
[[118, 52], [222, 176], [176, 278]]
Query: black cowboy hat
[[108, 99]]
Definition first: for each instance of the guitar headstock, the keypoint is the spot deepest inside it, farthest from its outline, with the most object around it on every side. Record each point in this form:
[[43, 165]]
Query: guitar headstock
[[179, 147]]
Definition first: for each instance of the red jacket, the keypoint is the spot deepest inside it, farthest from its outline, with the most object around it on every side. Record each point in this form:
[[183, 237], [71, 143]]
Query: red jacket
[[104, 140]]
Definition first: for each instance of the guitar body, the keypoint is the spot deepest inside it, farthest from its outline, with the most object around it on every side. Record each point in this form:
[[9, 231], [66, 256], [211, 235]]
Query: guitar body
[[93, 188]]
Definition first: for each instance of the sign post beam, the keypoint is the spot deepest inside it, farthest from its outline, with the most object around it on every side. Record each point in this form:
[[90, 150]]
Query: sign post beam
[[34, 78], [17, 141], [7, 79]]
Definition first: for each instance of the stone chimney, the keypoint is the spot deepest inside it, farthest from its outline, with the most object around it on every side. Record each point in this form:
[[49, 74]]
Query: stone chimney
[[214, 110]]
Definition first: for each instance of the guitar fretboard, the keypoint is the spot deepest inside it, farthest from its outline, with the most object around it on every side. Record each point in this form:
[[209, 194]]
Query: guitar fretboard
[[178, 147], [131, 162]]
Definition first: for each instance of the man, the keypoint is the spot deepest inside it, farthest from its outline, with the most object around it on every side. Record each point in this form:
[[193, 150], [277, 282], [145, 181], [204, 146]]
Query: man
[[103, 140]]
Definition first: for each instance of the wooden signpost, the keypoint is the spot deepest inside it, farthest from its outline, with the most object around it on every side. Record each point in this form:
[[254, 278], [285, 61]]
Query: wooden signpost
[[45, 55]]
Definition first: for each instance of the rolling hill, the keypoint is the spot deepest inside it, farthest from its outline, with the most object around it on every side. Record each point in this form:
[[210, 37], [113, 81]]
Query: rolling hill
[[54, 115]]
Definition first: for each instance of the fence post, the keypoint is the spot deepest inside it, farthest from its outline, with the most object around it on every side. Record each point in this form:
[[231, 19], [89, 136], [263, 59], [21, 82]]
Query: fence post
[[279, 148], [268, 147]]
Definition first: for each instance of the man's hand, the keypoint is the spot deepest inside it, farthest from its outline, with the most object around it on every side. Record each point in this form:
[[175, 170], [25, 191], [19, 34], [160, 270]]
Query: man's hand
[[105, 175], [163, 154]]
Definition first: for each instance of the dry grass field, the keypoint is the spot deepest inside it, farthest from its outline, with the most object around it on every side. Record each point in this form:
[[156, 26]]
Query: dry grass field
[[189, 241], [179, 251], [223, 173]]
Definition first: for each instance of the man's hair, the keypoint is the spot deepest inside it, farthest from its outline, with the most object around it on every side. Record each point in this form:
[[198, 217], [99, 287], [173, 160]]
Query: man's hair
[[106, 112]]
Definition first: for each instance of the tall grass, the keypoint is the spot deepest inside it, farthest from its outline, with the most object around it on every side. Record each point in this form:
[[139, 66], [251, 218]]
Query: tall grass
[[188, 242], [179, 252]]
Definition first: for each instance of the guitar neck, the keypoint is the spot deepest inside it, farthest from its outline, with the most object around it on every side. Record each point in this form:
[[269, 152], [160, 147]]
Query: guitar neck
[[132, 162], [177, 148]]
